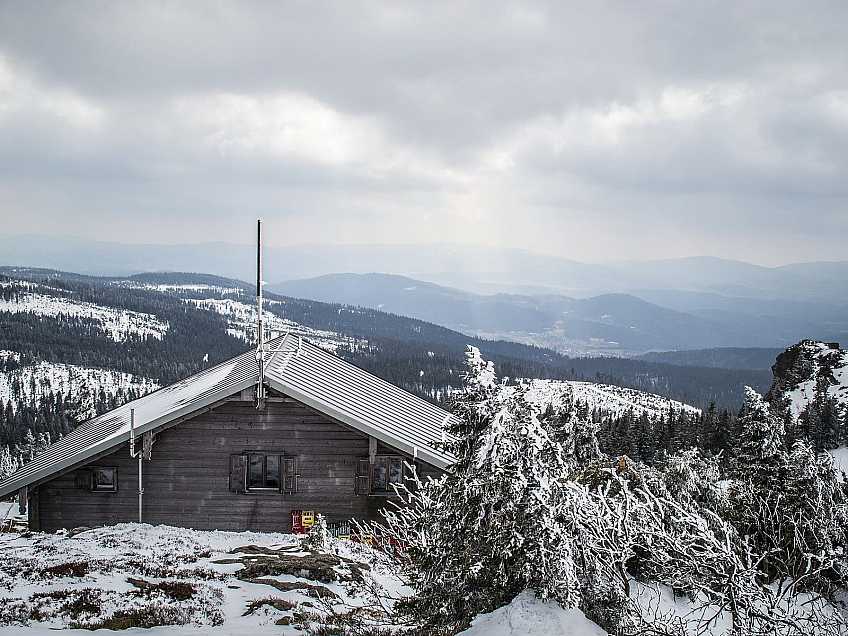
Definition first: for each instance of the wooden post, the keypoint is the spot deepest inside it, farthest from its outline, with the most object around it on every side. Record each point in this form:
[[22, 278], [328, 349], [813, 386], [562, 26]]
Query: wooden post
[[147, 445], [23, 493], [34, 517]]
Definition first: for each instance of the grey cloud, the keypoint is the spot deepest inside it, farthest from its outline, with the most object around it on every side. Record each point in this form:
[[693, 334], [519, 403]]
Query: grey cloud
[[684, 123]]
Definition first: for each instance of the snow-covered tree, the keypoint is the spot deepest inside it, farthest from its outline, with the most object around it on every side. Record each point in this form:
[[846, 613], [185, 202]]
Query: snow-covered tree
[[692, 478], [8, 464], [814, 535], [318, 537], [826, 432], [762, 453], [570, 425], [789, 506], [487, 530]]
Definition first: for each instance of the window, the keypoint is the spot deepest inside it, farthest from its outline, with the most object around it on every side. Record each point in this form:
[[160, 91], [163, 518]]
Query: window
[[388, 472], [104, 479], [263, 472]]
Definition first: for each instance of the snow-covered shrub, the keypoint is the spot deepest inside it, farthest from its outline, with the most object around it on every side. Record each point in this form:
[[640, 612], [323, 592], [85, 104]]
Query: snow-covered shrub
[[318, 538], [789, 504], [572, 428]]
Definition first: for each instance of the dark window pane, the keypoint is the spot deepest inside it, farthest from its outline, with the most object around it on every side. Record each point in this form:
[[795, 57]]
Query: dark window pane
[[254, 473], [396, 472], [104, 479], [272, 471], [380, 480]]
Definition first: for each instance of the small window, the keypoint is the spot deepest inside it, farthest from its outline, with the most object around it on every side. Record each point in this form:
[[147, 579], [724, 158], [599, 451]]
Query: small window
[[388, 472], [104, 479], [263, 472]]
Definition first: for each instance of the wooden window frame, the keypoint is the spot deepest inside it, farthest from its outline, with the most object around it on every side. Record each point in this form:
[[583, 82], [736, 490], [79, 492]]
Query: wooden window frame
[[96, 487], [404, 471], [239, 478], [264, 487]]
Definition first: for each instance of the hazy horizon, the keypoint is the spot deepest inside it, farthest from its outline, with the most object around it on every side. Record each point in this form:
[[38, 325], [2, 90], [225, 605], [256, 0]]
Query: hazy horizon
[[409, 244]]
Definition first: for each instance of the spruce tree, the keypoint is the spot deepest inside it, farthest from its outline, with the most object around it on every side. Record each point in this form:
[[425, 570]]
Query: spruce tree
[[571, 426], [826, 434], [762, 452], [815, 518], [488, 530]]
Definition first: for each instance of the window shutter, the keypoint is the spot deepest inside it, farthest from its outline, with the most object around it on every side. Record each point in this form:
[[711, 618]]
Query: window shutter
[[83, 479], [363, 476], [238, 473], [290, 474]]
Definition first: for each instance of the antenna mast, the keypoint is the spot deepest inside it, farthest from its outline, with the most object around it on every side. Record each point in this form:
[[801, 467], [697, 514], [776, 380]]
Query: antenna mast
[[260, 332]]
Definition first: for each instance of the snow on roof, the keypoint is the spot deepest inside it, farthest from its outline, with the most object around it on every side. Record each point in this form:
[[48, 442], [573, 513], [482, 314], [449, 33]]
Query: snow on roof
[[297, 369]]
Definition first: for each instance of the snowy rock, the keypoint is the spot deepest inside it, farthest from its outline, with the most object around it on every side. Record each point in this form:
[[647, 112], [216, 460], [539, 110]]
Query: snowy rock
[[803, 366]]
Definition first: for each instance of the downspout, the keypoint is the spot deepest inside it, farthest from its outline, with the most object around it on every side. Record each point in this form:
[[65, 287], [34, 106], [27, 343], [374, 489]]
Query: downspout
[[139, 455]]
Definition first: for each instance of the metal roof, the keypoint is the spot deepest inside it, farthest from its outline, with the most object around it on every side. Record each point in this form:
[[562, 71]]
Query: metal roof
[[294, 367], [345, 392]]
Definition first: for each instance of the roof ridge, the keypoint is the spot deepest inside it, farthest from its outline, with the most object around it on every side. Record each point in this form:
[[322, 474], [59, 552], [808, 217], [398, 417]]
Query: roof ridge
[[284, 360]]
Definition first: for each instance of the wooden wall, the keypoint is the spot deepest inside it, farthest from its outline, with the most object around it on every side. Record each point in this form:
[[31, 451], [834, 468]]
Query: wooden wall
[[186, 483]]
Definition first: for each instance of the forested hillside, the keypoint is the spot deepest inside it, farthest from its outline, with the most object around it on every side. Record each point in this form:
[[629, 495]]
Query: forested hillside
[[153, 329]]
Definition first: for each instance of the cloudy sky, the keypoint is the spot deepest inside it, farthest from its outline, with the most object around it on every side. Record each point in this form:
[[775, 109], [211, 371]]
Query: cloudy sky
[[593, 130]]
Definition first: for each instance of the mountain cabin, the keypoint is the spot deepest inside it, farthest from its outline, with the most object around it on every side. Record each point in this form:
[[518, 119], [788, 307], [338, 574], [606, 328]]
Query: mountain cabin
[[285, 427]]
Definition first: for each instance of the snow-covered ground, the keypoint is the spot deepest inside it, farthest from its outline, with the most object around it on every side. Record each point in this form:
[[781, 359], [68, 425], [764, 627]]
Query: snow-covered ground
[[35, 381], [66, 579], [610, 400], [242, 322], [54, 581], [242, 584], [528, 615], [196, 288], [117, 324]]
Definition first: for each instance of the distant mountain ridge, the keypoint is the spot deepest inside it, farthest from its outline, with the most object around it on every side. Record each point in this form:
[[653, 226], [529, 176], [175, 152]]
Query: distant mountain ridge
[[72, 343], [760, 358], [608, 324], [480, 269]]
